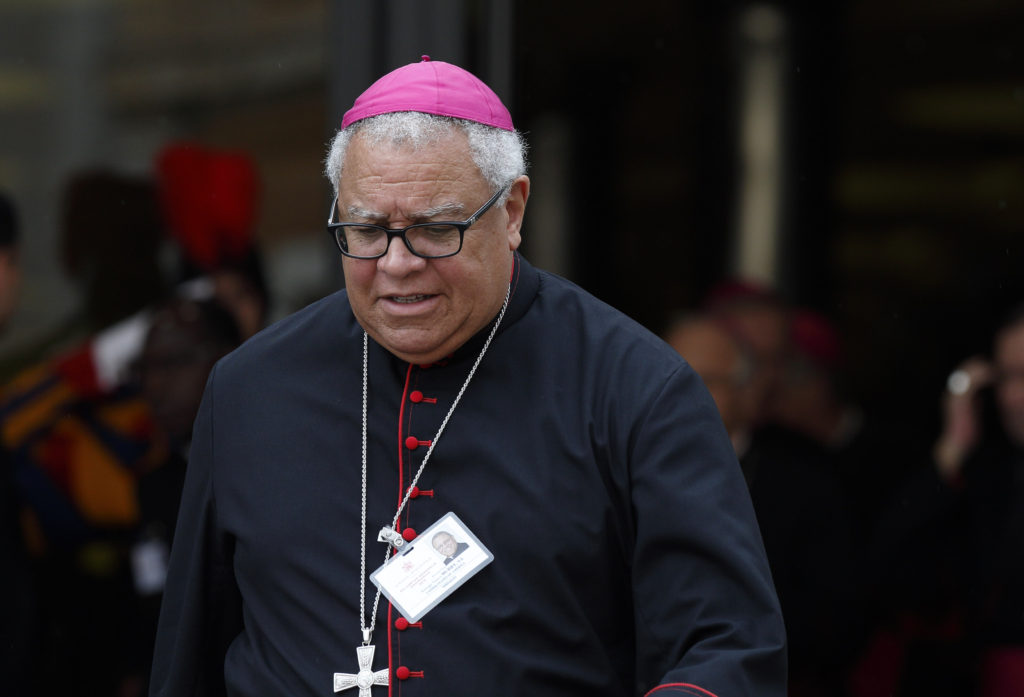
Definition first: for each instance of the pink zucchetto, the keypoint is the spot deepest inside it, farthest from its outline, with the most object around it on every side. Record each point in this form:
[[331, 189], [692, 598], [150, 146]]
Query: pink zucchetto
[[431, 87]]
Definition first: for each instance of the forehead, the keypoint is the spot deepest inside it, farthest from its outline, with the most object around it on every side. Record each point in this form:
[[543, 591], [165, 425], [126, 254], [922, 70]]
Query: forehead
[[398, 184], [398, 181], [762, 326], [375, 161], [705, 346]]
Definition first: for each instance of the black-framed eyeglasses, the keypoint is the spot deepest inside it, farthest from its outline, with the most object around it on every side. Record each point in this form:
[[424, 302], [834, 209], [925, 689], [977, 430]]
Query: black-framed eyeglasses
[[434, 240]]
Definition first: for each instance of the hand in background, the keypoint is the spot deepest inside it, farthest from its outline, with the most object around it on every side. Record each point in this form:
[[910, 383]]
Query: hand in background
[[961, 415]]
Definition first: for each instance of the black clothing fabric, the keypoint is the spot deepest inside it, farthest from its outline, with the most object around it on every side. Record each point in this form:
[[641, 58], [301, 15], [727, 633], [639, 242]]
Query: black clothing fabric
[[804, 519], [953, 555], [18, 624], [159, 493], [586, 455]]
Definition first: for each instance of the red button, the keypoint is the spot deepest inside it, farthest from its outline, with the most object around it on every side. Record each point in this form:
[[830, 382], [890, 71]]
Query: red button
[[412, 442], [402, 673], [416, 396], [414, 492], [409, 534], [401, 624]]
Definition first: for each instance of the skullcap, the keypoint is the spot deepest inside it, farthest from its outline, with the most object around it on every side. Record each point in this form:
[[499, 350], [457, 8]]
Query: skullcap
[[431, 87]]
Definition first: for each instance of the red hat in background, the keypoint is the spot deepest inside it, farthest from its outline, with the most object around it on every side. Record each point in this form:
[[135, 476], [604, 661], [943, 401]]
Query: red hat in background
[[815, 338], [210, 199], [733, 292]]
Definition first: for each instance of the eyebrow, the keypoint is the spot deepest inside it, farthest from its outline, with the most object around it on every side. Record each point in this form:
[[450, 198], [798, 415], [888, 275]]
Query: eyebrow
[[445, 209]]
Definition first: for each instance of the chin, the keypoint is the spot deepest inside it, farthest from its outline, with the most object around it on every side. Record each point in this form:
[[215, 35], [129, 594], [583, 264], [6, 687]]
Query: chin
[[415, 351]]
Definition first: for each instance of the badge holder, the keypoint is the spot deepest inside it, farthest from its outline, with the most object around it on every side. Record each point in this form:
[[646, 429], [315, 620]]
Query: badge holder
[[431, 567]]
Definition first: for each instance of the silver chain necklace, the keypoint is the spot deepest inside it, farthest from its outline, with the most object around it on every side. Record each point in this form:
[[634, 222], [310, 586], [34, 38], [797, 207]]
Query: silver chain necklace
[[367, 677]]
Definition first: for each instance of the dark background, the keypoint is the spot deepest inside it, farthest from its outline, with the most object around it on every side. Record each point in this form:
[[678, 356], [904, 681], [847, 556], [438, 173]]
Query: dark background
[[905, 174], [904, 127]]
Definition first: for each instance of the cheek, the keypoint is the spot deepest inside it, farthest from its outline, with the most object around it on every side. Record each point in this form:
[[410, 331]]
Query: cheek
[[485, 274], [358, 276]]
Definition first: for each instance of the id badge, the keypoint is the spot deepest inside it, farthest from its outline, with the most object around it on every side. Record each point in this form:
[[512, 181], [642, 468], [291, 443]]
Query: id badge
[[432, 567]]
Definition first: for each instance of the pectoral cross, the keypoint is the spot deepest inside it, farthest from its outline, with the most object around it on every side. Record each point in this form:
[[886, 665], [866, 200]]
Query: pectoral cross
[[366, 677]]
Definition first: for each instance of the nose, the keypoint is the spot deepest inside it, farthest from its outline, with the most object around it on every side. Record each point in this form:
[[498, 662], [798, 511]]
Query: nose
[[398, 260]]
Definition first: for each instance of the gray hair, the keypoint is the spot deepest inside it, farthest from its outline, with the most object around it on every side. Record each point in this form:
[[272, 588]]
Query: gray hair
[[500, 155]]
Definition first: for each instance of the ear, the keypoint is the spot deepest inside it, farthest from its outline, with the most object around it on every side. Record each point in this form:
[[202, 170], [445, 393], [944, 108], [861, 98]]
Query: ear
[[515, 209]]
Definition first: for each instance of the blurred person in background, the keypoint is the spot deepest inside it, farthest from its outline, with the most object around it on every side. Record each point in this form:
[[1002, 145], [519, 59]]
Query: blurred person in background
[[726, 367], [73, 435], [210, 198], [112, 230], [808, 399], [186, 337], [77, 431], [17, 620], [760, 319], [868, 459], [741, 348], [952, 546]]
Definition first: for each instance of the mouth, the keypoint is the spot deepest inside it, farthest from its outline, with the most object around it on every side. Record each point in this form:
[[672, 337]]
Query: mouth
[[408, 299]]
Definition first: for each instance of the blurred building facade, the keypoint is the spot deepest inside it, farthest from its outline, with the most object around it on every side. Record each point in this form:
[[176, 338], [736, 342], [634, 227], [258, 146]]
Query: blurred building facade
[[865, 157]]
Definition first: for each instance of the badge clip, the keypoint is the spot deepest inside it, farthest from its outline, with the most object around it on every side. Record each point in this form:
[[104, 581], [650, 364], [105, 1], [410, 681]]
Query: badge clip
[[392, 537]]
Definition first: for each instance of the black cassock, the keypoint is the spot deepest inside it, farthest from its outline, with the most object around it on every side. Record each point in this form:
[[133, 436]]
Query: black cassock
[[585, 454]]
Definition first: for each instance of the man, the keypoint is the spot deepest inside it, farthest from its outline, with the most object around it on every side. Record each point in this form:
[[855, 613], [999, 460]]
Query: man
[[867, 456], [447, 546], [726, 368], [184, 340], [211, 200], [182, 343], [963, 426], [799, 505], [760, 320], [579, 449], [952, 547]]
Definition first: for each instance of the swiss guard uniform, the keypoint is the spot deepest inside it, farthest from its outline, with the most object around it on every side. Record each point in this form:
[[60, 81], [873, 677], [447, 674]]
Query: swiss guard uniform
[[585, 456]]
